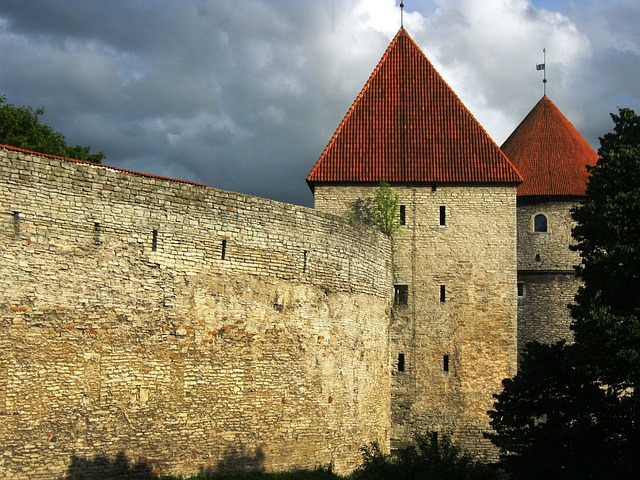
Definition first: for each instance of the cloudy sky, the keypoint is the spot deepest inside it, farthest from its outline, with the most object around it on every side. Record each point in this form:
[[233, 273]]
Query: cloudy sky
[[244, 95]]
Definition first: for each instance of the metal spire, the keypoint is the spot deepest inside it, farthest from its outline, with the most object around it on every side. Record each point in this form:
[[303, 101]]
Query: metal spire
[[543, 66], [401, 14]]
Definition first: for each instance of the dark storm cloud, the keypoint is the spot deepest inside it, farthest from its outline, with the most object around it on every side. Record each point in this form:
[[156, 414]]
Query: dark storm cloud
[[245, 95]]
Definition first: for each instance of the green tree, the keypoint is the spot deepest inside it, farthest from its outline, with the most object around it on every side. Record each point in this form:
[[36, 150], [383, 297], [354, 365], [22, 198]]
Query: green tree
[[573, 411], [383, 210], [21, 127]]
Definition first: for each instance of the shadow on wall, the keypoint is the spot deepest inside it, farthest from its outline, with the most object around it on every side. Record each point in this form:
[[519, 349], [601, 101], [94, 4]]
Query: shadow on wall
[[121, 468], [106, 468]]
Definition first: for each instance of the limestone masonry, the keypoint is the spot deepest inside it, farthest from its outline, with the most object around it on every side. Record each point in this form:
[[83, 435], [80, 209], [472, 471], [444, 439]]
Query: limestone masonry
[[188, 329], [186, 326]]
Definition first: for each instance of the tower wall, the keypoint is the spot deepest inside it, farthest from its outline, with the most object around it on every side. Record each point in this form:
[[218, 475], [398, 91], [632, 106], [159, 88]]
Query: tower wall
[[545, 271], [182, 327], [470, 330]]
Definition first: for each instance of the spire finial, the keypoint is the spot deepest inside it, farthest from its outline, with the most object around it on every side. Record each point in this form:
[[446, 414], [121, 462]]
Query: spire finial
[[401, 14], [543, 66]]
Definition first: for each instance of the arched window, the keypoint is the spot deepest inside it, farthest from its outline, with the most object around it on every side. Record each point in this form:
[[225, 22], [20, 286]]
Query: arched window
[[540, 223]]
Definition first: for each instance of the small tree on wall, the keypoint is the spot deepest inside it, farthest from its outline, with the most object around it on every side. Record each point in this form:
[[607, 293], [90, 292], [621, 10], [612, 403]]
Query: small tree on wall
[[383, 210]]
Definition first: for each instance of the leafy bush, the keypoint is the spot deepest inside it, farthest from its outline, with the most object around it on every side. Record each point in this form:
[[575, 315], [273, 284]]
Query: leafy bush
[[431, 458]]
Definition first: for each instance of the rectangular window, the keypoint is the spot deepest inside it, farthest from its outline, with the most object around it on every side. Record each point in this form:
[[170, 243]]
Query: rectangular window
[[443, 293], [403, 215], [97, 233], [154, 241], [401, 295], [443, 215], [445, 363], [520, 289], [401, 362], [16, 224], [223, 254]]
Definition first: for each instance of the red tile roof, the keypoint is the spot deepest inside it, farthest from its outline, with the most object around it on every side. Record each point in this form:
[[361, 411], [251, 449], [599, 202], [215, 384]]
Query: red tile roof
[[407, 125], [549, 153]]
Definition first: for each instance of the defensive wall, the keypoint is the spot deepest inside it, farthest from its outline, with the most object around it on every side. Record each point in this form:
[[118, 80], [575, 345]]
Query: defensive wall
[[182, 326]]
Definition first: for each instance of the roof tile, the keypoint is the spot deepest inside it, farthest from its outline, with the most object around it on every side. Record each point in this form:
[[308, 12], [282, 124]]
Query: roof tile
[[407, 125], [549, 153]]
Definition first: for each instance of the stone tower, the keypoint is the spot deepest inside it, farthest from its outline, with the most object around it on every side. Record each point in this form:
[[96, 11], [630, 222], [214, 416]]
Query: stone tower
[[453, 321], [552, 157]]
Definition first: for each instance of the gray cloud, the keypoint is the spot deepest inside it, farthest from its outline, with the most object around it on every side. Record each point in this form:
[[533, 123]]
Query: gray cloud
[[245, 95]]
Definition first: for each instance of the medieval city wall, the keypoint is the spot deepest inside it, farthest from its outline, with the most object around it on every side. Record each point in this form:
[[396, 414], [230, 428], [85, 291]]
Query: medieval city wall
[[454, 339], [183, 327]]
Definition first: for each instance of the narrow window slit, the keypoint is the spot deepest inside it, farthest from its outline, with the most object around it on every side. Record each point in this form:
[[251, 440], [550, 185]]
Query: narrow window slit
[[445, 363], [16, 223], [97, 233], [154, 241], [443, 215], [401, 362], [403, 215], [224, 249], [443, 293]]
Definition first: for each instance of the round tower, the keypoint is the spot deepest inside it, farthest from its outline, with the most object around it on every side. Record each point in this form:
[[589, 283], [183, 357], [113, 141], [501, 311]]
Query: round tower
[[552, 157]]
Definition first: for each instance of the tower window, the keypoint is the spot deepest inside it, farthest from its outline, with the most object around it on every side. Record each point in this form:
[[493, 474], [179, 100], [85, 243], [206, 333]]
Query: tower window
[[154, 240], [403, 215], [401, 362], [16, 224], [520, 289], [443, 215], [540, 223], [443, 293], [445, 363], [401, 295], [223, 253], [97, 233]]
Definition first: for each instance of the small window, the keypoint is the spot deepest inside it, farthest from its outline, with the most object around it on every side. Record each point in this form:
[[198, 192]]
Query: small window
[[401, 362], [154, 240], [97, 233], [403, 215], [540, 223], [520, 289], [16, 224], [443, 215], [401, 295], [445, 363], [223, 253], [443, 293]]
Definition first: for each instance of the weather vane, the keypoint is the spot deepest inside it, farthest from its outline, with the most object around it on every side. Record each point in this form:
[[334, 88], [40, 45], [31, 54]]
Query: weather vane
[[402, 14], [543, 66]]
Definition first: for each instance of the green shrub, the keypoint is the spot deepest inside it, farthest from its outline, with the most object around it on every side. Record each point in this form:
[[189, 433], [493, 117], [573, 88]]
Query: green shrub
[[430, 458]]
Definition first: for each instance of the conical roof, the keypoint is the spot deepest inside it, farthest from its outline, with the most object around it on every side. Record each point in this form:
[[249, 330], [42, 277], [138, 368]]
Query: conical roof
[[549, 153], [407, 125]]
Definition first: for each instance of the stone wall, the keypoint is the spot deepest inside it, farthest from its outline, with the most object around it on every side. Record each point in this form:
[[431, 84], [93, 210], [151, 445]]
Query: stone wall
[[457, 331], [183, 327], [546, 271]]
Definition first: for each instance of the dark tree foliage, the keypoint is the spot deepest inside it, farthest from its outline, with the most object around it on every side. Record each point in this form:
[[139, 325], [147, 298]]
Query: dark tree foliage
[[21, 127], [573, 411], [432, 458]]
